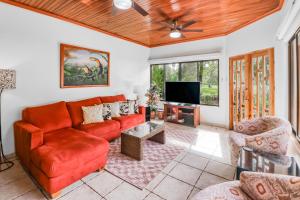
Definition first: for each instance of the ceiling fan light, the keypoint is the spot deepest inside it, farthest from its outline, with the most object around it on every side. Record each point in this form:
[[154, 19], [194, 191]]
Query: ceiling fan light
[[175, 34], [123, 4]]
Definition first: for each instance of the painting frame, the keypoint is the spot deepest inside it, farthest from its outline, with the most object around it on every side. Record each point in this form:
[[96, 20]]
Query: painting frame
[[63, 48]]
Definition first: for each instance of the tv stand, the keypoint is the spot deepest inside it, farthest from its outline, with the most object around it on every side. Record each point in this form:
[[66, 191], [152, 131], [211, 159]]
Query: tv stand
[[180, 113]]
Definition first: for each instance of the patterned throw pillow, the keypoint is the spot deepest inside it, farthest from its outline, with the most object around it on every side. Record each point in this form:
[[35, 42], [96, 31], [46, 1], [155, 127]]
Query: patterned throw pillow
[[92, 114], [124, 108], [136, 107], [115, 109], [106, 112], [133, 107], [263, 186]]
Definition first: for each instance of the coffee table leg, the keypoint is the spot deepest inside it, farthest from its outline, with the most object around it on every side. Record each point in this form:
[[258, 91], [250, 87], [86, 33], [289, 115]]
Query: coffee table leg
[[159, 137], [132, 147]]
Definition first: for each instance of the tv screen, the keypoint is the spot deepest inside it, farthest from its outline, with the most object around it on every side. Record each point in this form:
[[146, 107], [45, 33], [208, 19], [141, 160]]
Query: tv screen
[[183, 92]]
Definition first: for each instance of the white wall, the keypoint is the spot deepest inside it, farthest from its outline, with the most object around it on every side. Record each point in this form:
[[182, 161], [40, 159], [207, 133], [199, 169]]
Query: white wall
[[29, 43], [256, 36]]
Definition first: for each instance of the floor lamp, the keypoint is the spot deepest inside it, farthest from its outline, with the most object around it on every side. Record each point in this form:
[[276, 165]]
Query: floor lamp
[[7, 81]]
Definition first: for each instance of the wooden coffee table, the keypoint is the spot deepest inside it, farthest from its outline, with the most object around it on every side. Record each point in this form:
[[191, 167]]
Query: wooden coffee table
[[132, 140]]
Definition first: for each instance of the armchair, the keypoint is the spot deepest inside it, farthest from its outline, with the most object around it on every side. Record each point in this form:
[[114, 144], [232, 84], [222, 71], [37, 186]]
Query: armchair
[[254, 186], [266, 134]]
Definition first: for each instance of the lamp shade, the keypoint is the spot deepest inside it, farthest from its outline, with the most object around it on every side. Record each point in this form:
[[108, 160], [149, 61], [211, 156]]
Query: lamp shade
[[7, 79]]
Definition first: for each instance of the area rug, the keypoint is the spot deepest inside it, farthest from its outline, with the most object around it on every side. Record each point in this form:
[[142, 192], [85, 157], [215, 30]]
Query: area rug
[[140, 173], [156, 157]]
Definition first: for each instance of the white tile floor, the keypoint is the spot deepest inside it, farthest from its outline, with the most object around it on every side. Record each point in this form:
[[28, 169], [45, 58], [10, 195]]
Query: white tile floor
[[204, 163]]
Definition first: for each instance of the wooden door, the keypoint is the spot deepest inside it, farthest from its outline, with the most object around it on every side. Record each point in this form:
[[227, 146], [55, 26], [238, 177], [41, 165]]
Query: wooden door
[[251, 86]]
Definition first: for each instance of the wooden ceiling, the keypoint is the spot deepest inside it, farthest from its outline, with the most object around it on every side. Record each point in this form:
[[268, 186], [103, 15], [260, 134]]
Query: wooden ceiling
[[215, 17]]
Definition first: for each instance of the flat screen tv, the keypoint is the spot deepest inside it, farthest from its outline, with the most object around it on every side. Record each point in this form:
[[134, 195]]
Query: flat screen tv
[[183, 92]]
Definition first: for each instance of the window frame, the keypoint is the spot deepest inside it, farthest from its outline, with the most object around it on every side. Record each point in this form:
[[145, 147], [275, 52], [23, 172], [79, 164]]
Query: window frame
[[180, 75], [295, 37]]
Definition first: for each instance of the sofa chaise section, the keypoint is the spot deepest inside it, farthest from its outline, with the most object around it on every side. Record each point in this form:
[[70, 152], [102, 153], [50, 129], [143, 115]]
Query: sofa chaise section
[[52, 151]]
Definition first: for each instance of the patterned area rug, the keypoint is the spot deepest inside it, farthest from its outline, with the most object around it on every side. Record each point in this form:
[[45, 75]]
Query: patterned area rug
[[156, 156]]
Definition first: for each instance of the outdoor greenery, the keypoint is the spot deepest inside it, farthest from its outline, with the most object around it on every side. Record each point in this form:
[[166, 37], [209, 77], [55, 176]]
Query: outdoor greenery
[[207, 72]]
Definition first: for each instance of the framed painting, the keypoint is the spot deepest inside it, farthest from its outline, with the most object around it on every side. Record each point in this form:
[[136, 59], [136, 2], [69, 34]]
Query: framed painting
[[82, 67]]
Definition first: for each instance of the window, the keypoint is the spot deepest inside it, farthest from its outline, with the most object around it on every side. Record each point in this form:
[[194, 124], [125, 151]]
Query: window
[[172, 72], [294, 83], [206, 72], [157, 77], [209, 79]]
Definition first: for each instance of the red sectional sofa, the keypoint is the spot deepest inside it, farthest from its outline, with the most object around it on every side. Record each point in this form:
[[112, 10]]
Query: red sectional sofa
[[57, 149]]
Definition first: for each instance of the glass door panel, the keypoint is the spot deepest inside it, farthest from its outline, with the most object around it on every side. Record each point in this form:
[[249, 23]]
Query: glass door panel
[[252, 89]]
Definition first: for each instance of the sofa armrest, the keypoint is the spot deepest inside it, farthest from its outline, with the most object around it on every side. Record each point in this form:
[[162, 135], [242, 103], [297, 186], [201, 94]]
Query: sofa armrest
[[27, 138], [275, 186], [142, 110], [274, 141]]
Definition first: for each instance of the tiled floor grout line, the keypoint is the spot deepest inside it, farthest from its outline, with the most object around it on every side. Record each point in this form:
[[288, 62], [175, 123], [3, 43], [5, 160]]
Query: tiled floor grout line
[[22, 194], [114, 188], [198, 180], [93, 190]]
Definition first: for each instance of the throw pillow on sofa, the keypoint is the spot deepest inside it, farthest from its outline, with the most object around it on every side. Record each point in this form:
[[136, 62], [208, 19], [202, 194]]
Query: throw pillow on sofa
[[133, 107], [124, 108], [92, 114], [115, 109], [106, 112]]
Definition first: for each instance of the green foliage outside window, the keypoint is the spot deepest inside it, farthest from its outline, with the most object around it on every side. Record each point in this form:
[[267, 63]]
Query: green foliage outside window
[[207, 72]]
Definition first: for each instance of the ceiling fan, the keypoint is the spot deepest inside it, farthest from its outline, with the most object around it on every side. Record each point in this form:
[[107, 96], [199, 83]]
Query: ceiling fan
[[127, 4], [176, 29]]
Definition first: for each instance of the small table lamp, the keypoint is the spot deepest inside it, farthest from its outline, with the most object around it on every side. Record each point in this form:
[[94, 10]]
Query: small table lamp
[[7, 81]]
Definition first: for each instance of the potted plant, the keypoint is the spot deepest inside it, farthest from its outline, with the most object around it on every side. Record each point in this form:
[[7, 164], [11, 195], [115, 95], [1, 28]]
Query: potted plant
[[153, 99]]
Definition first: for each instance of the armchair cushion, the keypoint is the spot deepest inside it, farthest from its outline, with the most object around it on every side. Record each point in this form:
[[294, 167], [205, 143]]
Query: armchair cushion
[[273, 141], [49, 117], [262, 186], [66, 150], [223, 191], [75, 109]]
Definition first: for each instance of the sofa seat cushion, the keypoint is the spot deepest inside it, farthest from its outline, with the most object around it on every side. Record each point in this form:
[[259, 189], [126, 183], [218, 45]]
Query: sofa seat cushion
[[49, 117], [75, 109], [67, 149], [109, 129], [129, 121]]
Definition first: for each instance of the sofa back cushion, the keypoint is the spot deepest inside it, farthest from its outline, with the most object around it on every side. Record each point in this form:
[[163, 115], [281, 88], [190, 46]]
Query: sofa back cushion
[[112, 99], [75, 109], [49, 117]]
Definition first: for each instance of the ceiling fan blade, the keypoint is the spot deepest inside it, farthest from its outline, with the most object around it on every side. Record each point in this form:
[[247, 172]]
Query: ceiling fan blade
[[187, 24], [192, 30], [182, 36], [139, 9], [161, 29]]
